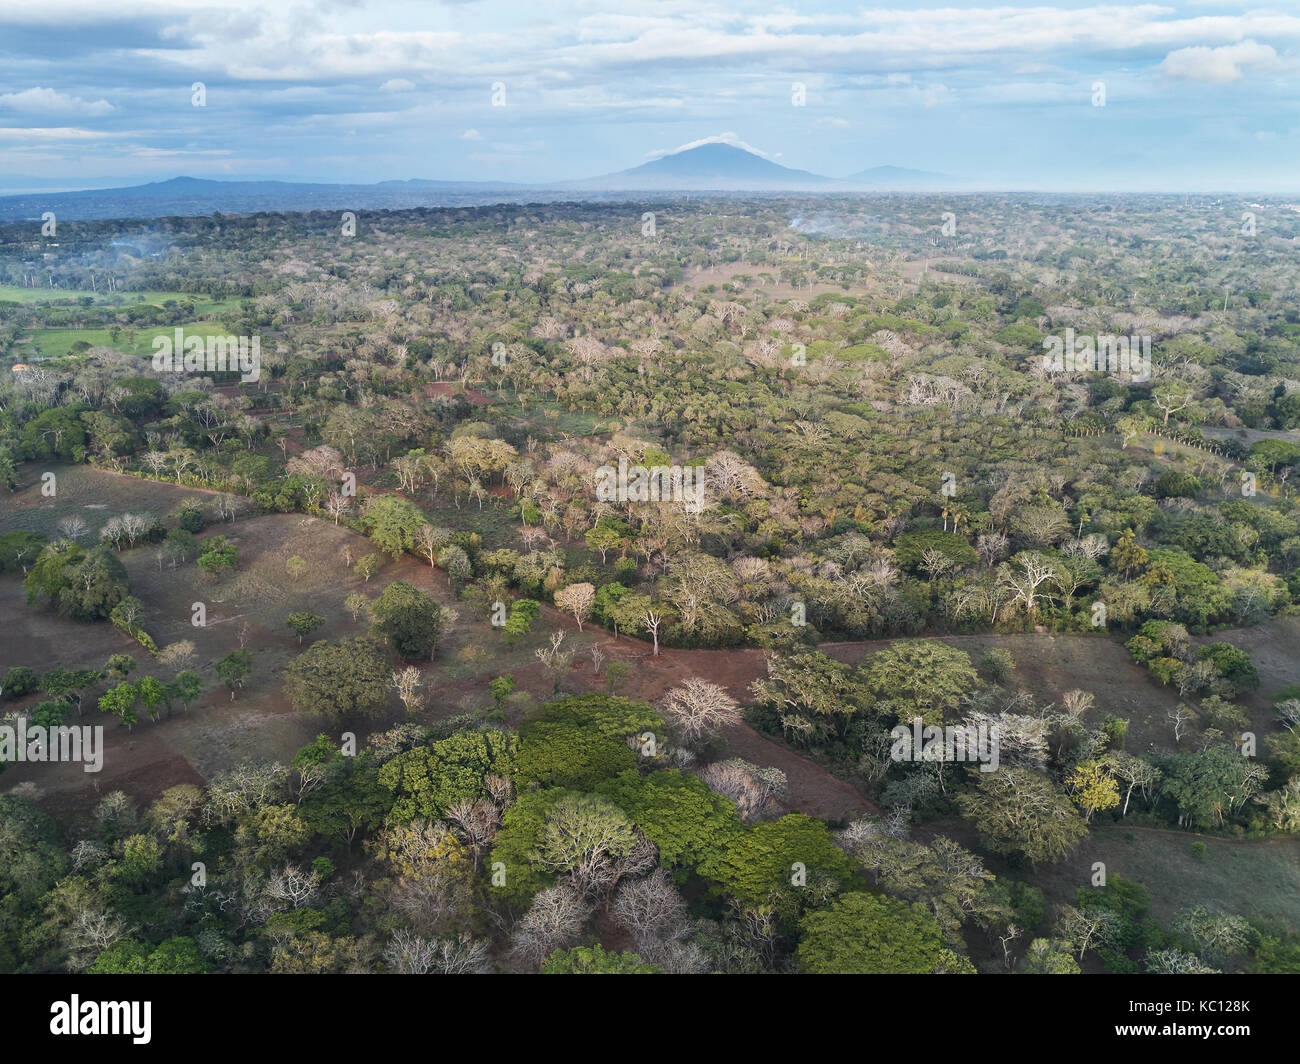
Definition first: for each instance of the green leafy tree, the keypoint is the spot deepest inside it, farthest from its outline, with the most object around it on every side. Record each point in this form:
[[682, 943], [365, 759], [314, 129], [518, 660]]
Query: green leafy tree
[[761, 858], [502, 687], [304, 623], [84, 585], [119, 666], [1017, 810], [48, 714], [352, 801], [174, 956], [456, 562], [514, 850], [428, 781], [861, 934], [187, 687], [69, 684], [676, 811], [18, 550], [560, 754], [921, 678], [408, 619], [522, 614], [1049, 957], [812, 694], [234, 669], [153, 694], [217, 555], [19, 681], [594, 960], [393, 523], [120, 702], [339, 680], [1209, 785], [604, 538]]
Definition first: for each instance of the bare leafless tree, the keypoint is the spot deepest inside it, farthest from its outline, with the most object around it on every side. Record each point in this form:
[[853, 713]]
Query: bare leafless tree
[[553, 921], [699, 709], [652, 911], [409, 954], [72, 528], [408, 683]]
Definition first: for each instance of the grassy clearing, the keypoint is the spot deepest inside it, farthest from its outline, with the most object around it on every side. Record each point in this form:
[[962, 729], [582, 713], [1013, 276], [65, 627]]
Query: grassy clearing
[[204, 304], [59, 343], [1255, 878], [554, 417], [92, 495]]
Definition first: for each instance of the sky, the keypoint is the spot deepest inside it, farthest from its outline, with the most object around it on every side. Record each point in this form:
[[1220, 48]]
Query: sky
[[1182, 95]]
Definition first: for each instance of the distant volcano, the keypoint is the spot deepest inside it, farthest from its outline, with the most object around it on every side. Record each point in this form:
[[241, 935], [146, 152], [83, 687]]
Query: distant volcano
[[710, 166]]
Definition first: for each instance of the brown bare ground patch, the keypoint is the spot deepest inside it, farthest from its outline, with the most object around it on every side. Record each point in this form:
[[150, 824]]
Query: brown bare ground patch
[[476, 398]]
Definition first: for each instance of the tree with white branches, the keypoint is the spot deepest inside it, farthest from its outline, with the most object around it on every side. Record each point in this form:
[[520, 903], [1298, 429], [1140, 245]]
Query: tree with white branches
[[577, 599], [699, 709], [553, 921], [408, 683]]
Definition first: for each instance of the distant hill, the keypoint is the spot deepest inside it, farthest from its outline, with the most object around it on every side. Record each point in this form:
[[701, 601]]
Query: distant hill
[[183, 196], [713, 167], [899, 177], [719, 167]]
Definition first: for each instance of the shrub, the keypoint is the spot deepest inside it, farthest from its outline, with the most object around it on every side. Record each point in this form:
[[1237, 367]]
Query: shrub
[[18, 681], [999, 664], [190, 519]]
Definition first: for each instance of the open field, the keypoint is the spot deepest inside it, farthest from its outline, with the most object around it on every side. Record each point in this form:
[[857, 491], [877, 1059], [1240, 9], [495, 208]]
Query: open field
[[203, 304], [1257, 878], [58, 343], [91, 494]]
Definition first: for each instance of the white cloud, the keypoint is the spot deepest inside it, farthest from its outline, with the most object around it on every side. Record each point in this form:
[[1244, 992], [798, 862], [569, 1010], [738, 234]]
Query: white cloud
[[141, 151], [834, 123], [721, 138], [397, 85], [54, 133], [49, 101], [471, 134], [1219, 65]]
